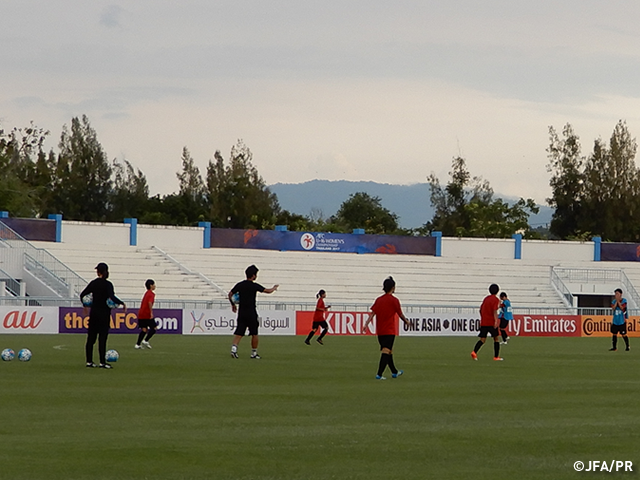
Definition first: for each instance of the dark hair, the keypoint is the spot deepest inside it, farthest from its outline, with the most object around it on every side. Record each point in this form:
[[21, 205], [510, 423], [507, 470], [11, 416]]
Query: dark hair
[[320, 293], [388, 284], [148, 283], [618, 290], [493, 289], [103, 269], [503, 295], [251, 271]]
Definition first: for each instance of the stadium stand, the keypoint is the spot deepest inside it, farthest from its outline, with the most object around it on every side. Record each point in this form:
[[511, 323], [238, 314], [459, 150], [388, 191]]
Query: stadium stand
[[129, 267], [348, 278], [196, 274]]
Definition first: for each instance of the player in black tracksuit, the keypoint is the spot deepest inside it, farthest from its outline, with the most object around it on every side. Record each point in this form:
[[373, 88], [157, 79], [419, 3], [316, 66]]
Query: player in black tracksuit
[[100, 314]]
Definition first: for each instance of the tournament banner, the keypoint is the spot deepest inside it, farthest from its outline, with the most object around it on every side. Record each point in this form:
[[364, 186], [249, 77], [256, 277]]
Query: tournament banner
[[29, 319], [38, 229], [340, 323], [545, 326], [322, 242], [73, 320], [224, 321], [441, 324], [620, 252], [600, 326]]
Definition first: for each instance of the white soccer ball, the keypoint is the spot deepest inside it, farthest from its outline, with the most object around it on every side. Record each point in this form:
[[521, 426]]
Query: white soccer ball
[[87, 300], [235, 298], [112, 355], [24, 355], [7, 354], [111, 303]]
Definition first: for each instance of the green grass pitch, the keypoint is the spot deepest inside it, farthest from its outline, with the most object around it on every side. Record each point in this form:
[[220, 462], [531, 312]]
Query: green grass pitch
[[186, 410]]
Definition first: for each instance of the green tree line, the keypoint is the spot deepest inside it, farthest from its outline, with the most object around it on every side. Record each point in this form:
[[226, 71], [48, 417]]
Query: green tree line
[[597, 194]]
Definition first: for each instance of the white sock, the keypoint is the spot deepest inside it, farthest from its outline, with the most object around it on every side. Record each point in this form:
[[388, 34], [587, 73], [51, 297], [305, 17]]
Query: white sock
[[234, 348]]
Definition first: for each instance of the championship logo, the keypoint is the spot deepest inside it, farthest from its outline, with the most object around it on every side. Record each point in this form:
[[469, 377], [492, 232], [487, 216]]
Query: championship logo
[[307, 241]]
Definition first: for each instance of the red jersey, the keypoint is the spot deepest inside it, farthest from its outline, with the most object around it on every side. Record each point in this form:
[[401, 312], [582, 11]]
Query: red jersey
[[145, 307], [387, 308], [489, 306], [318, 316]]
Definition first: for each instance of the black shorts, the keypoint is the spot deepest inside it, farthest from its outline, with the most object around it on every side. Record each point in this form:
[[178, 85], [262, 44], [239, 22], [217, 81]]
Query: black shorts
[[323, 324], [247, 321], [621, 329], [386, 341], [484, 331], [147, 323], [504, 324]]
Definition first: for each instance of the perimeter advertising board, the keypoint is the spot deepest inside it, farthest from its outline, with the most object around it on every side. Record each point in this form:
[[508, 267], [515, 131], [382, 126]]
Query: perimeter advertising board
[[545, 326], [73, 320], [29, 319], [446, 324], [340, 323], [223, 322], [600, 326]]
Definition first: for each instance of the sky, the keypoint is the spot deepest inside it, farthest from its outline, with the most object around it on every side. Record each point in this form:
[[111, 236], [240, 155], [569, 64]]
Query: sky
[[337, 90]]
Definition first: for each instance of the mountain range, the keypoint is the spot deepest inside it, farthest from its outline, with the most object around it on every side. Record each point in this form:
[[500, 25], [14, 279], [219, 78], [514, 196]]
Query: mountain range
[[410, 202]]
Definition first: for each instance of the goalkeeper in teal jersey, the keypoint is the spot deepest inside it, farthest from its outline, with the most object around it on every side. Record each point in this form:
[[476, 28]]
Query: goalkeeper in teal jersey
[[619, 321], [505, 315]]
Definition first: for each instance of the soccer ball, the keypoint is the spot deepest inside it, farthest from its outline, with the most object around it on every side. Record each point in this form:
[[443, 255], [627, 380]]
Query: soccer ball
[[235, 298], [112, 356], [7, 354], [111, 303], [24, 355], [87, 300]]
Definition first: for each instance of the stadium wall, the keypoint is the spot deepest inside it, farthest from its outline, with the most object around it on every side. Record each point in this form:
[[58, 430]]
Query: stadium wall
[[164, 236], [54, 320]]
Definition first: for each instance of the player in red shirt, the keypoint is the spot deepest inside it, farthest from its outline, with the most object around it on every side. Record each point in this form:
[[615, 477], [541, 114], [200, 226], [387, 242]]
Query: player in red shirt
[[489, 323], [318, 319], [385, 309], [146, 320]]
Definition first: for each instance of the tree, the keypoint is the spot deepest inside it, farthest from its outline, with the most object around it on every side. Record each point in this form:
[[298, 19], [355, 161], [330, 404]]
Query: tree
[[130, 194], [361, 210], [191, 201], [21, 182], [567, 181], [466, 207], [599, 195], [611, 199], [82, 180], [237, 195]]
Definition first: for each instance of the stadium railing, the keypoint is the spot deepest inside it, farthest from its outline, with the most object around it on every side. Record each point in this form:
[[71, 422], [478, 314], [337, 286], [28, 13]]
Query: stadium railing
[[183, 268], [594, 275], [40, 263]]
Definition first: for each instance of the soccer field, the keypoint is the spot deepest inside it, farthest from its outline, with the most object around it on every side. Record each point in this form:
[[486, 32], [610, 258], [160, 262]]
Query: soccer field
[[187, 410]]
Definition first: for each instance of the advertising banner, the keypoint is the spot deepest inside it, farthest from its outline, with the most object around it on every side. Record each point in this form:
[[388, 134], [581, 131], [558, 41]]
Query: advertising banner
[[322, 242], [441, 324], [545, 326], [340, 323], [600, 326], [29, 319], [38, 229], [72, 320], [620, 252], [223, 322]]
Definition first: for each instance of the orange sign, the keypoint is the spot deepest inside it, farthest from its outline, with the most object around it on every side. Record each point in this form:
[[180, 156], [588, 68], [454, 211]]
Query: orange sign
[[600, 326]]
